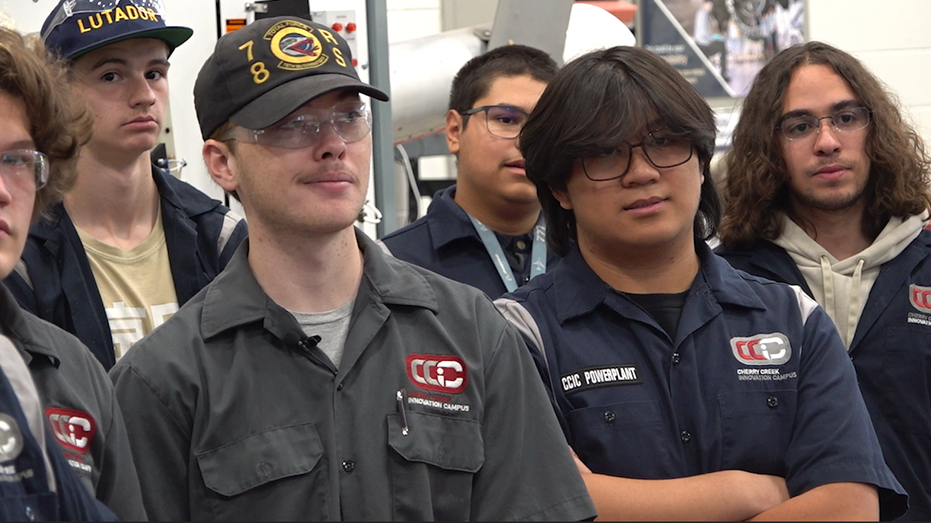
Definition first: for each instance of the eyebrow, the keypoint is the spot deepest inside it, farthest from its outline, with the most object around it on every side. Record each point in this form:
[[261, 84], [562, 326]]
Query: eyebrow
[[843, 104], [27, 143], [510, 106], [122, 61]]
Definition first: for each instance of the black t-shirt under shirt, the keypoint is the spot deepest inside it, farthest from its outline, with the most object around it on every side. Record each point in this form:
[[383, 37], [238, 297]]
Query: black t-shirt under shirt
[[665, 308]]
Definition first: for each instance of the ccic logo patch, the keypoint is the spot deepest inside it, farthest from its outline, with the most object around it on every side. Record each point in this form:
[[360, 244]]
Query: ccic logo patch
[[762, 349], [920, 298], [11, 439], [298, 48], [599, 377], [72, 428], [437, 373]]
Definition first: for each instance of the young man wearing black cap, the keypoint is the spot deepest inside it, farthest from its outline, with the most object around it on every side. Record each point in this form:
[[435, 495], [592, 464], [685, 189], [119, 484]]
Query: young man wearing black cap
[[130, 243], [316, 377]]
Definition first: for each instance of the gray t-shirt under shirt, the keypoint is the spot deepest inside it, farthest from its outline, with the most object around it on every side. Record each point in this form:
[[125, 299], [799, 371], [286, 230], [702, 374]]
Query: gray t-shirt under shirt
[[332, 327]]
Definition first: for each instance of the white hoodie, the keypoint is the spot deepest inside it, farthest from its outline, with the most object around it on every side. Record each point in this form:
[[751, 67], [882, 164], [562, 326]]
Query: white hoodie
[[842, 286]]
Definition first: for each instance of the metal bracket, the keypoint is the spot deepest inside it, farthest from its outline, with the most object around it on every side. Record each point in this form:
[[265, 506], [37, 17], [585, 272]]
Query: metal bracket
[[258, 7], [483, 33]]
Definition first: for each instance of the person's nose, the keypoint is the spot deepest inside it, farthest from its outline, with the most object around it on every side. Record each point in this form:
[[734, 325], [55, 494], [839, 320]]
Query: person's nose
[[142, 92], [328, 143], [826, 139], [641, 170]]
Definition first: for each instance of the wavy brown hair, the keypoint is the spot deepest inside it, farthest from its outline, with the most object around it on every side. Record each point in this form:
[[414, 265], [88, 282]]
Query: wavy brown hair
[[59, 123], [756, 191]]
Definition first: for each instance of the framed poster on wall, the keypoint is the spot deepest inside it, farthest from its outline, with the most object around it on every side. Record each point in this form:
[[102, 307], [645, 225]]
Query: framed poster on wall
[[719, 45]]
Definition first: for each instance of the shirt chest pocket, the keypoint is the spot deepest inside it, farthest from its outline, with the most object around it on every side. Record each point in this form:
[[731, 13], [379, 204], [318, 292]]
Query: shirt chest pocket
[[432, 465], [904, 384], [756, 428], [630, 439], [278, 471]]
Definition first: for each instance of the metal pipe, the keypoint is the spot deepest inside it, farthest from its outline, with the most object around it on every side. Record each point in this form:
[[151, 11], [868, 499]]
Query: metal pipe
[[382, 142]]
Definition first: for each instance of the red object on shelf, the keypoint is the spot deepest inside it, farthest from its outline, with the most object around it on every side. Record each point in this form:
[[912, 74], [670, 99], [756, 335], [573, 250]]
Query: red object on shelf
[[350, 27], [337, 26], [624, 11]]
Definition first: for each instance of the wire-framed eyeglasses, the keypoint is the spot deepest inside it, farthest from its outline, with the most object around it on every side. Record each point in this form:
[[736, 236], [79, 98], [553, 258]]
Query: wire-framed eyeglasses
[[846, 120], [502, 121], [351, 121], [24, 168], [661, 151]]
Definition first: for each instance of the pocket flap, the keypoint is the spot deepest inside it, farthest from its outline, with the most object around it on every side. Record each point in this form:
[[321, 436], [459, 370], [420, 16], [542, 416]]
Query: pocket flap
[[448, 443], [260, 458]]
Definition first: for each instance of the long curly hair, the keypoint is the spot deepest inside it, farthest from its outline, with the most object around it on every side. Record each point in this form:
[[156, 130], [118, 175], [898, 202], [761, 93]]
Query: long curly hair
[[756, 191], [595, 101], [60, 123]]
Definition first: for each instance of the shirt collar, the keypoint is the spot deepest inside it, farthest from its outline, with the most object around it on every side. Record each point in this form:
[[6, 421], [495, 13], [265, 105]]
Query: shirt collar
[[727, 284], [448, 221], [579, 290], [30, 342], [235, 298]]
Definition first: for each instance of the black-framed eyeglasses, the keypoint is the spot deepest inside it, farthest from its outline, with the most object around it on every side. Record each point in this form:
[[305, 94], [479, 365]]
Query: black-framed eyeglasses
[[351, 120], [502, 121], [24, 168], [661, 151], [846, 120]]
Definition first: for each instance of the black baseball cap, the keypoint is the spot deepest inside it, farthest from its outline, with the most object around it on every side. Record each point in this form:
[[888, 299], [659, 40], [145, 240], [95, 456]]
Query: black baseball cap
[[263, 72], [76, 27]]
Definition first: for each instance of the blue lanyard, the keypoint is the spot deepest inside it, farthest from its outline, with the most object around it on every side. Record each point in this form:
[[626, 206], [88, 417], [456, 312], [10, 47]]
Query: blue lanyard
[[537, 253]]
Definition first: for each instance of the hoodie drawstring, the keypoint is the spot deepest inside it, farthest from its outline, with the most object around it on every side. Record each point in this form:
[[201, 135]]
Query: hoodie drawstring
[[853, 302], [827, 283], [853, 297]]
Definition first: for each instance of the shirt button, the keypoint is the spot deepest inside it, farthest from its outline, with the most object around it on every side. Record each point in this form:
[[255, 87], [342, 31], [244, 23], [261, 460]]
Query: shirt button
[[526, 279], [685, 437], [676, 358], [339, 387], [30, 514], [609, 416], [772, 401], [349, 466], [521, 245]]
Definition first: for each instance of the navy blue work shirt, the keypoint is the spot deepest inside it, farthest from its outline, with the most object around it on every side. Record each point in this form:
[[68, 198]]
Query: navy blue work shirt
[[891, 352], [756, 378], [445, 242]]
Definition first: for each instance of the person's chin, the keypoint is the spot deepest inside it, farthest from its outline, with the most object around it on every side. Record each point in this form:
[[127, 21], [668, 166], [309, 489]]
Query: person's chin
[[7, 262], [523, 197]]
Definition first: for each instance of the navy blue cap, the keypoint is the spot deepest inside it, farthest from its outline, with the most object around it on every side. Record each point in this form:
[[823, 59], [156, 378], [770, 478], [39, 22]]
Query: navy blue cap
[[76, 27], [263, 72]]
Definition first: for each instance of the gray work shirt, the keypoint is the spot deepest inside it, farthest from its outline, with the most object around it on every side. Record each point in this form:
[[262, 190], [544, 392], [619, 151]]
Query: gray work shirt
[[79, 406], [235, 416]]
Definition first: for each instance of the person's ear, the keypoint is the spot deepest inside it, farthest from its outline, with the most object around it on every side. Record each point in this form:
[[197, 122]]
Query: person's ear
[[453, 130], [221, 164], [563, 198]]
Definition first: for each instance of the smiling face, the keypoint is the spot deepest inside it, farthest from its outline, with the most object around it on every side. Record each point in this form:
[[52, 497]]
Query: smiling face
[[315, 190], [490, 174], [648, 208], [17, 194], [125, 86], [828, 171]]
